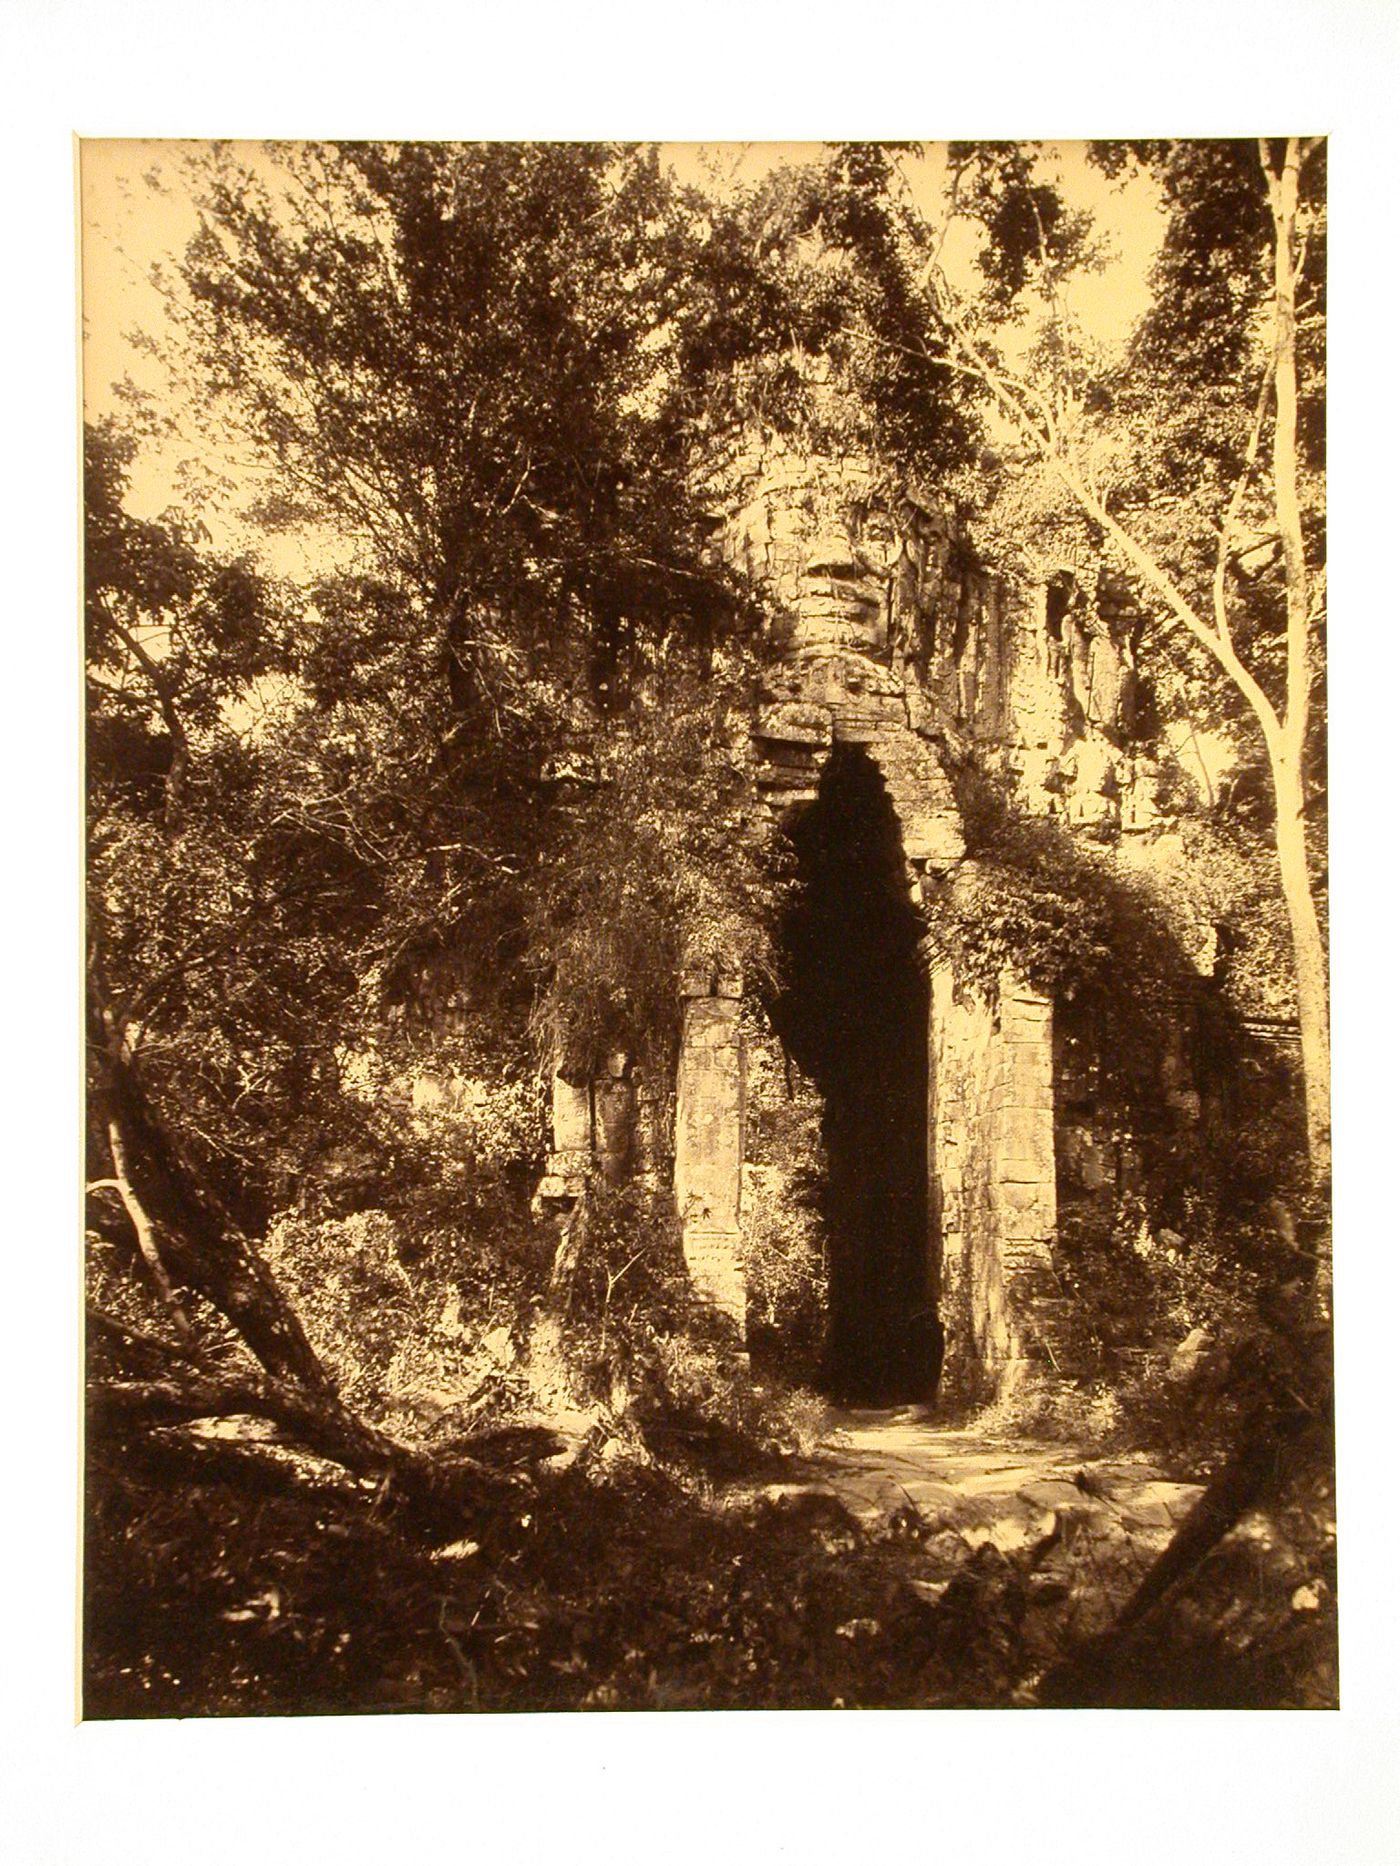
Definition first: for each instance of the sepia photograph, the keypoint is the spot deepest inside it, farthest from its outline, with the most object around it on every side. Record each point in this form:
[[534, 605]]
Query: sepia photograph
[[706, 902]]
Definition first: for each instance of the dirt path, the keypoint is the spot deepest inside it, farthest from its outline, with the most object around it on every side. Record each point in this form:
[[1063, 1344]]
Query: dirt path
[[977, 1480], [951, 1490]]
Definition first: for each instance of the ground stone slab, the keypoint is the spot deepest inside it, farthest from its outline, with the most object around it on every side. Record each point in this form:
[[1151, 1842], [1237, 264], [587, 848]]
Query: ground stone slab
[[967, 1488]]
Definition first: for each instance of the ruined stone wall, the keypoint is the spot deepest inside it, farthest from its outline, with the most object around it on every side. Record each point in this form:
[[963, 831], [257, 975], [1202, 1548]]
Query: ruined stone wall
[[605, 1127], [889, 621], [893, 638]]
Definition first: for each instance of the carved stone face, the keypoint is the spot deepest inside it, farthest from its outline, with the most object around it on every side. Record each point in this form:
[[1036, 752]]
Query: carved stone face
[[841, 598]]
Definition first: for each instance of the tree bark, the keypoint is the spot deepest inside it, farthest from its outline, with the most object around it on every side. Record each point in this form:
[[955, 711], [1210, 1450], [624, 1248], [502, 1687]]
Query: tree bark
[[200, 1246], [1286, 758], [319, 1423], [146, 1239], [1309, 959]]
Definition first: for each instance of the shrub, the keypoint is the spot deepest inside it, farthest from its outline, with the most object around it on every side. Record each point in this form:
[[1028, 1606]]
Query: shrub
[[412, 1333], [1192, 1332], [784, 1265], [780, 1215]]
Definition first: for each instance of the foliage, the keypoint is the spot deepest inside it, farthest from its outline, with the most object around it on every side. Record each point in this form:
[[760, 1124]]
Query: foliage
[[502, 729], [780, 1213], [1032, 239], [658, 869], [1222, 549], [621, 1593], [173, 632], [418, 1335], [370, 856], [623, 1588], [843, 252], [1184, 1338], [784, 1265], [1235, 877], [1041, 901], [630, 1294], [1164, 429]]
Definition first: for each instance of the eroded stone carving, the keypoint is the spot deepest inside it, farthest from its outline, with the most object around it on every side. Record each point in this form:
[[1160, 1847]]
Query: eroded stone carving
[[710, 1143], [895, 640]]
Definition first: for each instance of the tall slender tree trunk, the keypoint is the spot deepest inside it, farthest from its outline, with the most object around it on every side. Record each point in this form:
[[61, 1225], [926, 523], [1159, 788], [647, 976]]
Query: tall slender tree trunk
[[1285, 729], [1286, 750], [1309, 959]]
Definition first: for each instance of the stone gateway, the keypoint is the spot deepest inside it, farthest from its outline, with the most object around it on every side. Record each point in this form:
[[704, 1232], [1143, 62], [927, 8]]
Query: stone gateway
[[902, 663]]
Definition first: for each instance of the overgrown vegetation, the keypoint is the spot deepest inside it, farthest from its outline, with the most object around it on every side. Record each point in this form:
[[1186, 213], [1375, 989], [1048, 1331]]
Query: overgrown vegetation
[[376, 854]]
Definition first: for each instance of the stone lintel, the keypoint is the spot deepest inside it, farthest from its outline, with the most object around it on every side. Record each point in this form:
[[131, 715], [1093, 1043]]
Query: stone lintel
[[779, 802], [851, 731], [795, 723], [790, 755], [879, 714], [782, 779]]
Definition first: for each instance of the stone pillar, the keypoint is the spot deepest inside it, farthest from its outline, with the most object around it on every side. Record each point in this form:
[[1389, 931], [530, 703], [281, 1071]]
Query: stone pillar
[[615, 1120], [992, 1163], [965, 1070], [710, 1142], [570, 1158], [947, 1236], [1024, 1176]]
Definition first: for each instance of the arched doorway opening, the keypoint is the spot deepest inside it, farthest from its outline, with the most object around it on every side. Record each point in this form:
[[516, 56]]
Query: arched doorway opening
[[854, 1015]]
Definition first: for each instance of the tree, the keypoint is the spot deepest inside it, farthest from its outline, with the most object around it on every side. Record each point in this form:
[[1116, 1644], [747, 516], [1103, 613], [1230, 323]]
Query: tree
[[1199, 462], [172, 632], [495, 713]]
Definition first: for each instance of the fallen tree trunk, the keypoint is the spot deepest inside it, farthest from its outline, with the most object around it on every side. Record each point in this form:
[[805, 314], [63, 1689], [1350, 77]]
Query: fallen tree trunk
[[1109, 1668], [200, 1248], [309, 1421], [179, 1461], [197, 1244]]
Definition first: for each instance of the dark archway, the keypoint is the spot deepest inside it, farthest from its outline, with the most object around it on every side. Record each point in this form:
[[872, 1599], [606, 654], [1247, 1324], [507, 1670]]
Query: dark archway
[[854, 1014]]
